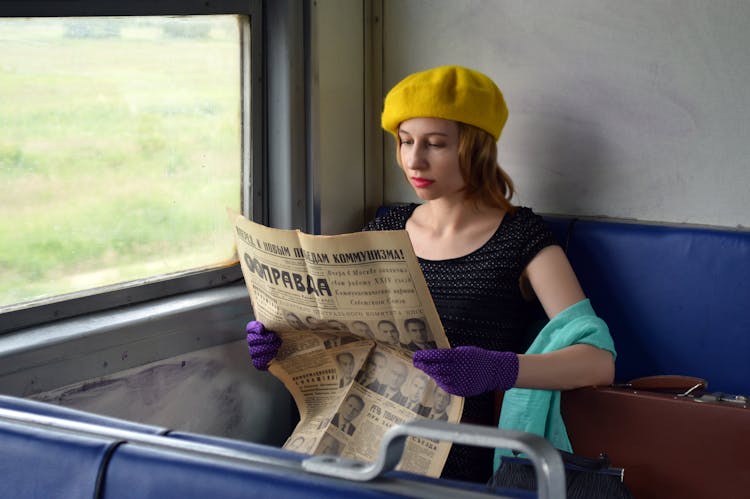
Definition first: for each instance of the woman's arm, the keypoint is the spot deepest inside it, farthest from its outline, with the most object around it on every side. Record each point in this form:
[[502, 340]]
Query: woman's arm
[[555, 284]]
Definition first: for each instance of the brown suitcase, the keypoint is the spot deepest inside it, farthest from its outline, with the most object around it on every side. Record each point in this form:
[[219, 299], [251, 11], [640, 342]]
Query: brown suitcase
[[683, 445]]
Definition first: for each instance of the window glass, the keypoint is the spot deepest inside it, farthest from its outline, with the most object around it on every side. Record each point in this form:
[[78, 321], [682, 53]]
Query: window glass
[[120, 150]]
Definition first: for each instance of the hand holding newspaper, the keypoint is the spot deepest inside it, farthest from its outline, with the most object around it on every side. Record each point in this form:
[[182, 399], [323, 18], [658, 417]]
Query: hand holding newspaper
[[350, 310]]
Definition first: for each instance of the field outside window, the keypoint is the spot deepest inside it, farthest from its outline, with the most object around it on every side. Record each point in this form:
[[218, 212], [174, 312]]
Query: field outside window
[[120, 150]]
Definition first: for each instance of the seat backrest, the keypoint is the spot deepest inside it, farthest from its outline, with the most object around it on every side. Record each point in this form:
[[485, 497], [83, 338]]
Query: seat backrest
[[674, 297], [46, 463], [139, 471]]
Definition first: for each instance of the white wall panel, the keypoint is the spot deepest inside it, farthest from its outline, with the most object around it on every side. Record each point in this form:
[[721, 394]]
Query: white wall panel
[[632, 109]]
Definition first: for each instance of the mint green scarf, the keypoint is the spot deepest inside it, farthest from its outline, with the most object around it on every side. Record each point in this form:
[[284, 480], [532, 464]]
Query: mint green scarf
[[538, 411]]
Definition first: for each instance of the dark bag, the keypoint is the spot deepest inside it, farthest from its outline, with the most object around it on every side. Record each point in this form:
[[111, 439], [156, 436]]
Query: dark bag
[[586, 478]]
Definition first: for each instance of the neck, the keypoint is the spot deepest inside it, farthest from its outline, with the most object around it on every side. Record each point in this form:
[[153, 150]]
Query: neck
[[447, 215]]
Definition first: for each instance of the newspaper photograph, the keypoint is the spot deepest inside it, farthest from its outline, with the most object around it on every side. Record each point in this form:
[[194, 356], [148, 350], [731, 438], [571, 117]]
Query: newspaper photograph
[[350, 310]]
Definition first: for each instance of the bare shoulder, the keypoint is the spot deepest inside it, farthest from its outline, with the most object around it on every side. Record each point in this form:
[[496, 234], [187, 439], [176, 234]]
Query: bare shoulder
[[553, 280]]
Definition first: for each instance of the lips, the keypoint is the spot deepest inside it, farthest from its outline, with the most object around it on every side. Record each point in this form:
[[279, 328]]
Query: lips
[[421, 182]]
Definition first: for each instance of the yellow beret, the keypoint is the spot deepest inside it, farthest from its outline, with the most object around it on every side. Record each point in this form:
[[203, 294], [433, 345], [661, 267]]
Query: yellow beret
[[449, 92]]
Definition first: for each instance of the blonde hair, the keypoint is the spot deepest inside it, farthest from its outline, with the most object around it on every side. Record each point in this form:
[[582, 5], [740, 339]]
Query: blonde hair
[[486, 182]]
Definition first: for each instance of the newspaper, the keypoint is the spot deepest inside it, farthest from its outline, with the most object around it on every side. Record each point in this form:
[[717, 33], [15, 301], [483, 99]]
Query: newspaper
[[350, 309]]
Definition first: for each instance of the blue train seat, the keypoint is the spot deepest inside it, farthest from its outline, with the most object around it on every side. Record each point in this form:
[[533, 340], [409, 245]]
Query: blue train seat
[[48, 463], [49, 456], [674, 297], [140, 471]]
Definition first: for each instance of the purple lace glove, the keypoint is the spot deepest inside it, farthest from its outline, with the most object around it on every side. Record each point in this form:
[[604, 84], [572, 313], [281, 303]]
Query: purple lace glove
[[263, 344], [468, 371]]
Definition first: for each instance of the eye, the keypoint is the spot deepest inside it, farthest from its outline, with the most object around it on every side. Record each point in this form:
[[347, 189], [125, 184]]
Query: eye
[[403, 141], [436, 145]]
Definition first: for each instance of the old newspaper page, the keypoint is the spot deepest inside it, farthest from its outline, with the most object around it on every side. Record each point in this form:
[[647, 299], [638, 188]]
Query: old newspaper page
[[350, 309]]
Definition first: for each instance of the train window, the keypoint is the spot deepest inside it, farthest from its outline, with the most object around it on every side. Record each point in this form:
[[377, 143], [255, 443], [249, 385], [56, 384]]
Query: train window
[[122, 148]]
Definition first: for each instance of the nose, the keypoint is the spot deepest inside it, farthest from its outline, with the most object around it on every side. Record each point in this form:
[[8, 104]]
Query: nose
[[413, 158]]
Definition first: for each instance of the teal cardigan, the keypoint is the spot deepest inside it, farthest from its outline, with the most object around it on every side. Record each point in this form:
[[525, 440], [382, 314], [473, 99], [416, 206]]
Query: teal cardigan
[[538, 411]]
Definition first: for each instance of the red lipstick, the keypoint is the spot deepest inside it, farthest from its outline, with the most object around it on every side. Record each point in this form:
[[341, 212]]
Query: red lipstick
[[421, 182]]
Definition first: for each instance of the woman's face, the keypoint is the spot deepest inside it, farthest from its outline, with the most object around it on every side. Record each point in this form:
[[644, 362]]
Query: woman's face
[[429, 157]]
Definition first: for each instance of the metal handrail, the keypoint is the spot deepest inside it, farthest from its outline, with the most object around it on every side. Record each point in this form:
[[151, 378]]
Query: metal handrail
[[548, 466]]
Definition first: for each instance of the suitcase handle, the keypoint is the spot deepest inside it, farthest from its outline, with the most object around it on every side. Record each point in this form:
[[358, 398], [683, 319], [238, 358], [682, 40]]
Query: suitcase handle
[[684, 385], [548, 466]]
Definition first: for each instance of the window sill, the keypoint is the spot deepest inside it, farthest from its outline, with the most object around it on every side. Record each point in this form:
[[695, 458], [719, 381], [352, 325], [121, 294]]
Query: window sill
[[56, 354]]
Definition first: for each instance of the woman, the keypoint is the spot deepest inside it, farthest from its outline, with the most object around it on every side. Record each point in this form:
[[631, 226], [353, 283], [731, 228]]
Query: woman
[[484, 259]]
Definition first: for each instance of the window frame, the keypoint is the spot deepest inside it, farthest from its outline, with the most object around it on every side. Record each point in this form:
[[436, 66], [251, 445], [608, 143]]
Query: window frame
[[253, 181]]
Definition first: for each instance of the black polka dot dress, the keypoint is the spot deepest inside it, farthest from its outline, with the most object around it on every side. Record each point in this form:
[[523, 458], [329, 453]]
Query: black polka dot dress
[[479, 302]]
